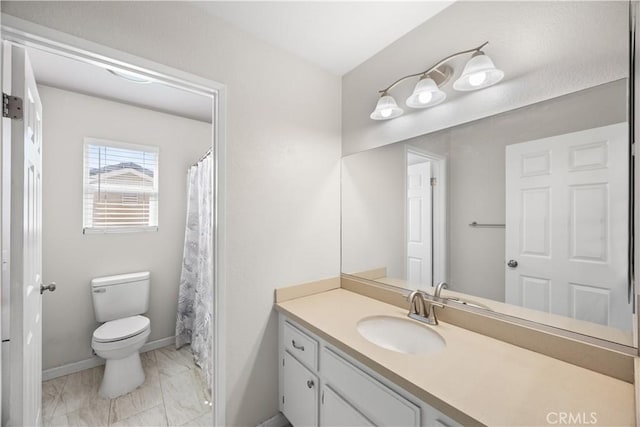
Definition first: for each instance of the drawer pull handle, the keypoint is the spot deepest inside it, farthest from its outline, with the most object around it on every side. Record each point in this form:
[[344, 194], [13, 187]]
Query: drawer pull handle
[[296, 346], [310, 383]]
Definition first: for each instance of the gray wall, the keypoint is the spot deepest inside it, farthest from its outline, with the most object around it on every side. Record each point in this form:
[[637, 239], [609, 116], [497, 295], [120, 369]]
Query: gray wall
[[546, 49], [283, 133], [373, 211], [72, 258]]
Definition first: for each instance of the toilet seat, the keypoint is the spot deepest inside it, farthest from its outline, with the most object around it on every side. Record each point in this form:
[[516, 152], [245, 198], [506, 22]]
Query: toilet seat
[[121, 329]]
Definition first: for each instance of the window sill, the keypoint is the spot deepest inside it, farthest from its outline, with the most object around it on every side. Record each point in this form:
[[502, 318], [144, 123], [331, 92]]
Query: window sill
[[111, 230]]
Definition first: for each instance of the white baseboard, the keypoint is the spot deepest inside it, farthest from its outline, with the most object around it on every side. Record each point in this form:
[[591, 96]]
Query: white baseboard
[[162, 342], [70, 368], [276, 421]]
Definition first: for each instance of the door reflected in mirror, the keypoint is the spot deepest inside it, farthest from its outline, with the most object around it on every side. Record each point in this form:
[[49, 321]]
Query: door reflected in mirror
[[525, 213]]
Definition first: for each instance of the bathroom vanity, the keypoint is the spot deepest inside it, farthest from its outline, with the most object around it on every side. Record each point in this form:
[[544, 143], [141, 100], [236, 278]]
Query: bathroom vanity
[[331, 374], [321, 385]]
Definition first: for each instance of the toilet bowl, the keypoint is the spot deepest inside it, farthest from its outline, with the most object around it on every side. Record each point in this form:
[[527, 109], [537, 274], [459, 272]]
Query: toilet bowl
[[119, 301], [119, 342]]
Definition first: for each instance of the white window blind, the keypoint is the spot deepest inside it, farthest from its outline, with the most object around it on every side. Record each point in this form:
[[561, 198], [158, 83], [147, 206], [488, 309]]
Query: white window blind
[[120, 187]]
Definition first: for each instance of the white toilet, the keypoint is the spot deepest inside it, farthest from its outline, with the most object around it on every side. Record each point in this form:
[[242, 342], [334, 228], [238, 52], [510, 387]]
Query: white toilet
[[118, 301]]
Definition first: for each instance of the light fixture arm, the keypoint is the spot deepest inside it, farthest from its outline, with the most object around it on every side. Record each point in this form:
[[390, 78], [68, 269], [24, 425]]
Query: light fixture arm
[[432, 68]]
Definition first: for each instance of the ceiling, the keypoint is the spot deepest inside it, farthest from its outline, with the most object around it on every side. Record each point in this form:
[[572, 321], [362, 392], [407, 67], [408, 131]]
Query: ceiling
[[69, 74], [336, 35]]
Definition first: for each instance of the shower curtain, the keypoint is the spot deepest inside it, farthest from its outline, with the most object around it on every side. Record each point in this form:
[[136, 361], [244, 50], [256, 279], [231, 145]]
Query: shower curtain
[[195, 301]]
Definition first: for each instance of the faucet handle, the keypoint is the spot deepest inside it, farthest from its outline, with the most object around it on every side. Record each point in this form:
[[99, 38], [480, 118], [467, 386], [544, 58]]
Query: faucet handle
[[416, 302], [433, 300]]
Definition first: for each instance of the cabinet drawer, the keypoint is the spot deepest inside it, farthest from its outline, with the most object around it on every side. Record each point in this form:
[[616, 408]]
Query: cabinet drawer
[[380, 404], [301, 345]]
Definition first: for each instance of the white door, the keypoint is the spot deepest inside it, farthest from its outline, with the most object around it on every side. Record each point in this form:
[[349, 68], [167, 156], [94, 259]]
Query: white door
[[300, 391], [26, 246], [419, 238], [567, 225], [336, 412]]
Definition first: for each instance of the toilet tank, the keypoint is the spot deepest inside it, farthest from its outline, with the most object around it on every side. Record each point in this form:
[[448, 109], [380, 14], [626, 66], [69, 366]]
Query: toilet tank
[[124, 295]]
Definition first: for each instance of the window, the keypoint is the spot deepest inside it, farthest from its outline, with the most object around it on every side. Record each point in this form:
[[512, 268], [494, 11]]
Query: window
[[120, 187]]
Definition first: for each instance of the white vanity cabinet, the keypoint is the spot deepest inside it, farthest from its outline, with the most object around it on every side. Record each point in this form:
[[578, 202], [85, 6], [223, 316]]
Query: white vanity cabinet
[[321, 386]]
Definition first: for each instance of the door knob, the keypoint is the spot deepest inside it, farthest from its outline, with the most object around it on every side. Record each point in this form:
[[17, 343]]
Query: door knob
[[310, 383], [50, 287], [512, 263]]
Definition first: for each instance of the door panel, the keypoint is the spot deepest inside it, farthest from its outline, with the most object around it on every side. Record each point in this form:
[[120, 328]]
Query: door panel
[[26, 247], [588, 219], [535, 293], [419, 227], [567, 218], [536, 213]]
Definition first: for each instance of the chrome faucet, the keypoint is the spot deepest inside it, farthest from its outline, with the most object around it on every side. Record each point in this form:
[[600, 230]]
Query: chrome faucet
[[422, 307], [439, 287]]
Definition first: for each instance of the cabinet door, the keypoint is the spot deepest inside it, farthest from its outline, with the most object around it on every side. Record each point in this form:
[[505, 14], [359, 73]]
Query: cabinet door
[[300, 393], [335, 412], [377, 401]]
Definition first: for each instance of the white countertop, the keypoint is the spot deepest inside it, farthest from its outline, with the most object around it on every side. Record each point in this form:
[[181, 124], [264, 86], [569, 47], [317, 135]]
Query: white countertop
[[486, 380]]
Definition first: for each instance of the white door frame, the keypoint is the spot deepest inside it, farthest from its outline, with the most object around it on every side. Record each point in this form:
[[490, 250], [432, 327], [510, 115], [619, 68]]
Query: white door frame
[[28, 34], [439, 236]]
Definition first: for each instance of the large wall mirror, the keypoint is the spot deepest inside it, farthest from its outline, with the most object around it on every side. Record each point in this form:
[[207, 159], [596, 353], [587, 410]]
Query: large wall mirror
[[524, 213]]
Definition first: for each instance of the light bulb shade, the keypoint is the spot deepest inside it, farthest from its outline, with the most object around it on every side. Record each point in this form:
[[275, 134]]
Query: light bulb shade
[[426, 94], [386, 109], [478, 73]]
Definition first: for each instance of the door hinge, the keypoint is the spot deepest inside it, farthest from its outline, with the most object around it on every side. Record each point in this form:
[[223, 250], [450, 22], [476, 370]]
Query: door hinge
[[633, 149], [322, 397], [11, 107], [282, 361], [434, 181], [283, 399]]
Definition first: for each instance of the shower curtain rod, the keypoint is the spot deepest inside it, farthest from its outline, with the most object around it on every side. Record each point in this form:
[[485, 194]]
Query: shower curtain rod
[[207, 154]]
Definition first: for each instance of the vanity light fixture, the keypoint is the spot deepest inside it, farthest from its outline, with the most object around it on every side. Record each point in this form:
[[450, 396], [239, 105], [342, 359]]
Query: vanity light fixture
[[478, 73]]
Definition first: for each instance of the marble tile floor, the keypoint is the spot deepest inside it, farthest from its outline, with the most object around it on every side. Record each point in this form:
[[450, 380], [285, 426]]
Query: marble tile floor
[[174, 394]]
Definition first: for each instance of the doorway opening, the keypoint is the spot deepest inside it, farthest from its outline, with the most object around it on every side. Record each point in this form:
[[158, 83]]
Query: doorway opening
[[425, 207], [178, 90]]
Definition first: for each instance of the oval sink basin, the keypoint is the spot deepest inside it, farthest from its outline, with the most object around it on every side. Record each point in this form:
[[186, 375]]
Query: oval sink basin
[[400, 335]]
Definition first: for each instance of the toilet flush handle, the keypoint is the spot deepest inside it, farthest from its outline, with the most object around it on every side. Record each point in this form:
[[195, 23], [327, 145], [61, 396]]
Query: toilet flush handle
[[50, 287]]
